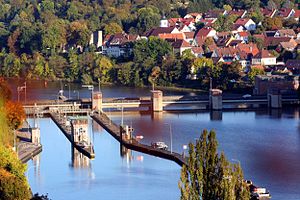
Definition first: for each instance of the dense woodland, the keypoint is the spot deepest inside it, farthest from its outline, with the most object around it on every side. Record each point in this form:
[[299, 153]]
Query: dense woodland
[[33, 34]]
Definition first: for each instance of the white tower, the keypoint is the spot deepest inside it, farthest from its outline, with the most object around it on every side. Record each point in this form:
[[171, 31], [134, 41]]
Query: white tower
[[164, 22]]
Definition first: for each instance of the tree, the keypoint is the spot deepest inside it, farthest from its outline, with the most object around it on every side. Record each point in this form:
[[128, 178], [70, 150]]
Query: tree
[[79, 33], [15, 114], [254, 72], [200, 6], [112, 28], [102, 69], [153, 48], [148, 17], [272, 23], [209, 175], [13, 184]]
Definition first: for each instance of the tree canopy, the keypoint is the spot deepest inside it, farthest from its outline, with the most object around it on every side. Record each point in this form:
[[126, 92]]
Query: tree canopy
[[209, 175]]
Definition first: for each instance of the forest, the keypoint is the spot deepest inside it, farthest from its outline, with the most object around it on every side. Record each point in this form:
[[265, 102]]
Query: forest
[[34, 35]]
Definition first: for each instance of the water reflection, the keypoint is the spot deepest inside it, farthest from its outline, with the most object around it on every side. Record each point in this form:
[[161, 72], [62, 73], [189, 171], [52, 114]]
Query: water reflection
[[275, 113], [126, 154], [216, 115], [79, 160]]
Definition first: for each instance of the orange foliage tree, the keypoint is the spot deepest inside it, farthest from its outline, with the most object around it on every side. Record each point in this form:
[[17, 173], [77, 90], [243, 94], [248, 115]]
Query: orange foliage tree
[[15, 114], [5, 91]]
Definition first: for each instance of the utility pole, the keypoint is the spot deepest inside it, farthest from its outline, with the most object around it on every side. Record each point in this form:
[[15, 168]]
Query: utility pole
[[99, 85], [25, 87]]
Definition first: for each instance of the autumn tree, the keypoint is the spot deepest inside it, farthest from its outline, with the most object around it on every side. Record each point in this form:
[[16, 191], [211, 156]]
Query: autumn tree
[[112, 28], [15, 114]]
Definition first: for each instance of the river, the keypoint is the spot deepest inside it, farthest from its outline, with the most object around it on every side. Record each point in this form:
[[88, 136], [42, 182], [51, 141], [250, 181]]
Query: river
[[266, 143]]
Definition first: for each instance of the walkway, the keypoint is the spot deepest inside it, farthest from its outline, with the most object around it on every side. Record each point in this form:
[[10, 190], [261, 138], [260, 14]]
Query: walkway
[[133, 144], [25, 148], [60, 121]]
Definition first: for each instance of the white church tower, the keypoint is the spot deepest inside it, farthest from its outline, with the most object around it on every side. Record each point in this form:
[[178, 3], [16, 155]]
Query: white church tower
[[164, 22]]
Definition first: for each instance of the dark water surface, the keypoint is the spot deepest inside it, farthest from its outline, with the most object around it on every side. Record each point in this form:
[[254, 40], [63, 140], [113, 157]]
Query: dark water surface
[[267, 143]]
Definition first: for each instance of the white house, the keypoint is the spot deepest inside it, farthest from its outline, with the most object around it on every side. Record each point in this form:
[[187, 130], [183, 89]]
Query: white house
[[249, 24], [195, 16], [264, 58]]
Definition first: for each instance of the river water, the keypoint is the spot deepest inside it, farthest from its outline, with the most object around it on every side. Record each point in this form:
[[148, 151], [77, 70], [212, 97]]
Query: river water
[[266, 143]]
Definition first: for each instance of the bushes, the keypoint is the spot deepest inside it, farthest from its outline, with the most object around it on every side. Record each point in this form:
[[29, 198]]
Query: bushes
[[13, 184]]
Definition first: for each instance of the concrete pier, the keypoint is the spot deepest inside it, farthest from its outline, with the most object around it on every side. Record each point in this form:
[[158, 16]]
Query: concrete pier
[[97, 101], [157, 101], [215, 99], [132, 143], [28, 144], [274, 99], [65, 127]]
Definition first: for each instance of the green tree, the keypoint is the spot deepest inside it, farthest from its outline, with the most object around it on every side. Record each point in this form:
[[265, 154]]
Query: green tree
[[153, 48], [254, 72], [209, 175], [148, 17], [103, 68], [112, 28]]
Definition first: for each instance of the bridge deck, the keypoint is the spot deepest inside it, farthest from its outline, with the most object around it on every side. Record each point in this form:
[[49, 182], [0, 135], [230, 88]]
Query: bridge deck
[[133, 144], [60, 122]]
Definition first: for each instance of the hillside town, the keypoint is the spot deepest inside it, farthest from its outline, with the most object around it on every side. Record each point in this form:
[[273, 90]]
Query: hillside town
[[275, 51]]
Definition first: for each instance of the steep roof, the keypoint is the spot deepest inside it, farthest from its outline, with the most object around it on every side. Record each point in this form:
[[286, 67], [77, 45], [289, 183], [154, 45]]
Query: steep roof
[[198, 50], [267, 12], [189, 35], [239, 13], [289, 45], [243, 33], [242, 21], [275, 41], [284, 12], [159, 30], [264, 54], [213, 13], [120, 39], [176, 44], [287, 33], [180, 36], [297, 13], [250, 49], [204, 32]]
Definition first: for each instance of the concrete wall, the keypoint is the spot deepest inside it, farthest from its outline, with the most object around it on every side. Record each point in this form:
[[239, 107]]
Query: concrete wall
[[157, 101]]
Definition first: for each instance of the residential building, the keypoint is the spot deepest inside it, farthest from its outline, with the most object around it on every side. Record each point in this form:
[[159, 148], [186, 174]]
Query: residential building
[[285, 33], [249, 24], [268, 13], [119, 45], [264, 58], [286, 13], [196, 16], [179, 46]]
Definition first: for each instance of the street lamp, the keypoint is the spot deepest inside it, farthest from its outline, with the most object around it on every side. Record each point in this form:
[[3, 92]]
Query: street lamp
[[170, 129], [20, 89]]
